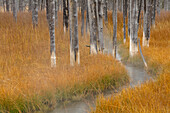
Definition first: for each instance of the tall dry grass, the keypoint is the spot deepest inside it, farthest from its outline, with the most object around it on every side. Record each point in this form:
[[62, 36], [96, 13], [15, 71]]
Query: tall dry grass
[[29, 84], [153, 96]]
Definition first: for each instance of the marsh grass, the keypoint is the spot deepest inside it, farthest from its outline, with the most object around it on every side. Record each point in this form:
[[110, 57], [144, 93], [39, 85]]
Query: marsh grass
[[152, 96], [29, 84]]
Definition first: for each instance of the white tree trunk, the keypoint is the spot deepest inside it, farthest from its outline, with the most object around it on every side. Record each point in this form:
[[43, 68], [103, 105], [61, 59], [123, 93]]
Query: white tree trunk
[[115, 7], [51, 21], [93, 26], [100, 10], [82, 17], [74, 42], [133, 27], [14, 10], [147, 22], [35, 13]]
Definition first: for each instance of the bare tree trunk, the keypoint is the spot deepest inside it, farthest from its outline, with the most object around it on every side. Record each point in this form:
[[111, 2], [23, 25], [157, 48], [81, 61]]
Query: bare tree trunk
[[20, 5], [56, 12], [93, 26], [65, 14], [4, 5], [133, 27], [139, 13], [35, 13], [82, 17], [7, 5], [124, 18], [129, 18], [43, 4], [147, 22], [74, 42], [100, 10], [115, 7], [14, 10], [51, 17], [158, 7], [30, 5], [166, 5], [87, 16], [105, 11], [153, 12], [39, 4]]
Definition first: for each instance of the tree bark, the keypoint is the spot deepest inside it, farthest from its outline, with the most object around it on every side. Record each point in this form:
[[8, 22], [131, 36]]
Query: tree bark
[[82, 17], [74, 42], [30, 5], [105, 11], [115, 8], [147, 22], [3, 5], [158, 7], [14, 10], [56, 12], [153, 12], [100, 10], [21, 5], [133, 27], [65, 14], [7, 5], [124, 18], [87, 16], [129, 18], [93, 26], [35, 13], [51, 18]]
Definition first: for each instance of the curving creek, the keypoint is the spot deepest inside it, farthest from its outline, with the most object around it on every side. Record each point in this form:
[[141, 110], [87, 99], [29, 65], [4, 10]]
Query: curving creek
[[137, 76]]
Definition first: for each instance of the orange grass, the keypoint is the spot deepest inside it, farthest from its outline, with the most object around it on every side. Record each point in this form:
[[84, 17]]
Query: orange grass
[[153, 96], [29, 84]]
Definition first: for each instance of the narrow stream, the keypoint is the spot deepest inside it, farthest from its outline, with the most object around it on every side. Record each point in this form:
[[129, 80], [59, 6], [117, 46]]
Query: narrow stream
[[137, 76]]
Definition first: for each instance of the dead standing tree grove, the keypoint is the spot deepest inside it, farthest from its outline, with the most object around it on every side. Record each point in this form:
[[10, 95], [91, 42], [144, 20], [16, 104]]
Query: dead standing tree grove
[[115, 7], [73, 24], [51, 21], [133, 27], [92, 4]]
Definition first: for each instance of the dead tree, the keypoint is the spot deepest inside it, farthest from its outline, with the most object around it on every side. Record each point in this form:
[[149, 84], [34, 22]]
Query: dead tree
[[3, 5], [129, 18], [82, 16], [51, 21], [30, 5], [153, 13], [65, 14], [158, 7], [7, 5], [21, 5], [87, 16], [115, 7], [92, 4], [147, 22], [14, 10], [43, 2], [73, 24], [166, 3], [133, 27], [124, 18], [35, 13], [105, 11], [100, 24], [56, 11]]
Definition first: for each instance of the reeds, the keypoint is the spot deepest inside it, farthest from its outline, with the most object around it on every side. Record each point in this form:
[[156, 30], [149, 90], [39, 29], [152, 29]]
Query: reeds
[[29, 84], [152, 96]]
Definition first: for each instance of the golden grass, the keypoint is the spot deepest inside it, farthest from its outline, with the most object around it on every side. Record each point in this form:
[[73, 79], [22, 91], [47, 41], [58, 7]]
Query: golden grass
[[29, 84], [153, 96]]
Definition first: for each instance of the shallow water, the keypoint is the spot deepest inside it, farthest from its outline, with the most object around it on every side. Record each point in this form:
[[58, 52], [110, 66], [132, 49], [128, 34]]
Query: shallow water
[[137, 76]]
